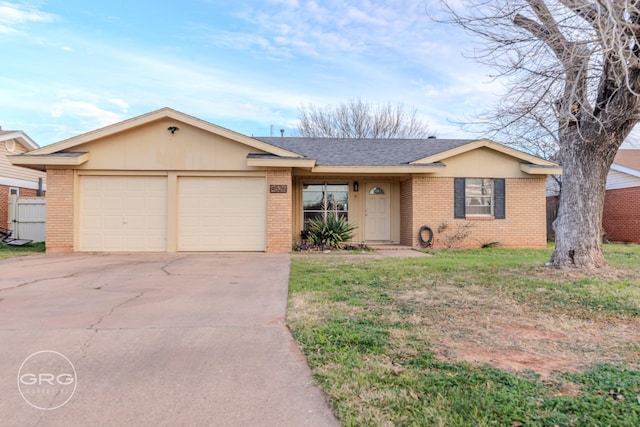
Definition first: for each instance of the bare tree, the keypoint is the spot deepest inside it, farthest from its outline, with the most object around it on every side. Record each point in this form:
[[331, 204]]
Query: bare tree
[[577, 61], [359, 119]]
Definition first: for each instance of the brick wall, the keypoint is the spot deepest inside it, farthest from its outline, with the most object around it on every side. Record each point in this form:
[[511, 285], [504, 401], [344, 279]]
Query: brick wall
[[406, 213], [621, 215], [524, 225], [59, 211], [279, 212], [4, 201]]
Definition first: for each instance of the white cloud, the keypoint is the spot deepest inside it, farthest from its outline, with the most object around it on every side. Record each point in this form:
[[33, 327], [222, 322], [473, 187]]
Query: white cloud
[[95, 116], [15, 15], [124, 106], [331, 28]]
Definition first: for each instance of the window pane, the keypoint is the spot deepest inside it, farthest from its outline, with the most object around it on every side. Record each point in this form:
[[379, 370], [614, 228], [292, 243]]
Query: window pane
[[320, 199], [479, 196], [376, 190], [312, 200], [337, 201], [337, 197], [310, 215]]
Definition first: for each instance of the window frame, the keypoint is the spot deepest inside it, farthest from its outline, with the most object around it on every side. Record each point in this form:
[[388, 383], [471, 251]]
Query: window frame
[[498, 205], [482, 193], [325, 207]]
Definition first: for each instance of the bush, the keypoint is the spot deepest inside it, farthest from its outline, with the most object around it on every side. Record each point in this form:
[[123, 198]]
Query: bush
[[333, 232]]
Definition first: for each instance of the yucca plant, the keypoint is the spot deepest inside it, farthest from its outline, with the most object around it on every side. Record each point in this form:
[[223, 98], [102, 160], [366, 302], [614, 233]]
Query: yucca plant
[[333, 232]]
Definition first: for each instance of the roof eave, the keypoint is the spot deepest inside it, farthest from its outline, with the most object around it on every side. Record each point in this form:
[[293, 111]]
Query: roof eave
[[379, 169], [627, 170], [41, 162], [281, 163], [540, 169]]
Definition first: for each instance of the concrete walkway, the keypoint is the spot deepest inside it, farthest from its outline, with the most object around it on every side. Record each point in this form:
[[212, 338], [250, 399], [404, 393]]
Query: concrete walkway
[[167, 339]]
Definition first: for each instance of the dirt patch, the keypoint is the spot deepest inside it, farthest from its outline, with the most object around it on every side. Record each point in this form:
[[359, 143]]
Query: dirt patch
[[476, 325], [515, 360]]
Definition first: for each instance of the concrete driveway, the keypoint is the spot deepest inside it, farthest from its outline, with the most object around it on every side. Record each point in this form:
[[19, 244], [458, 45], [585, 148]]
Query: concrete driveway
[[155, 339]]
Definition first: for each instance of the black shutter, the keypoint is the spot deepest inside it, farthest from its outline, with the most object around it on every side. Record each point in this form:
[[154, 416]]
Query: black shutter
[[498, 198], [458, 198]]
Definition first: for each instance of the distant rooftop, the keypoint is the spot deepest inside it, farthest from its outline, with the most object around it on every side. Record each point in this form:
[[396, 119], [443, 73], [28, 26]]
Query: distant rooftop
[[629, 158]]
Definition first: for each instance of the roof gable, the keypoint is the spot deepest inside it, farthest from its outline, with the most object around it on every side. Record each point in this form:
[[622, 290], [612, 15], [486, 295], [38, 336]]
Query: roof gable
[[484, 143], [19, 137], [164, 113]]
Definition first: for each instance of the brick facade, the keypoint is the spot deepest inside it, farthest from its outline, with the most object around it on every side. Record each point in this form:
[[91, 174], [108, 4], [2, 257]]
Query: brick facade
[[406, 213], [429, 201], [621, 215], [4, 201], [60, 195], [279, 212]]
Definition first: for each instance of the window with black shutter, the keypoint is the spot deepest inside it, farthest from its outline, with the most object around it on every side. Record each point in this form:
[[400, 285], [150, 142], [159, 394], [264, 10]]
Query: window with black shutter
[[479, 197]]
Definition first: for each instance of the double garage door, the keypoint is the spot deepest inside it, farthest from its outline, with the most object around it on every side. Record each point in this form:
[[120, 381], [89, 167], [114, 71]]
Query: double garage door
[[133, 214]]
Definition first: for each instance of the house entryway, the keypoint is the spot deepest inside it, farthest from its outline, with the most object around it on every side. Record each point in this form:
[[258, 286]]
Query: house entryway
[[378, 212]]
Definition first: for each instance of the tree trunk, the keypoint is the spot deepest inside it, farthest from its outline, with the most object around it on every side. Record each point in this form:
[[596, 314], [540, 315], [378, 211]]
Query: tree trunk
[[578, 226]]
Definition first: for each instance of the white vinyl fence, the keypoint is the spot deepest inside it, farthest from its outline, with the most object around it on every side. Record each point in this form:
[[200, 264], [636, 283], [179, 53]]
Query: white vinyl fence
[[27, 218]]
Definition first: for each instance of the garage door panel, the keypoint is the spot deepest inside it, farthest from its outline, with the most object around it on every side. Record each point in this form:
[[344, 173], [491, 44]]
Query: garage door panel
[[123, 213], [221, 214]]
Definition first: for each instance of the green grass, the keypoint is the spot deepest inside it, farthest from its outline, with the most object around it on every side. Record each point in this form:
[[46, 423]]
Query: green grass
[[391, 341], [8, 251]]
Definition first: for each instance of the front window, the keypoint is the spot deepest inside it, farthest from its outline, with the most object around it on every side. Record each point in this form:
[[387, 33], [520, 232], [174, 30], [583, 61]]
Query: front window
[[479, 196], [319, 200]]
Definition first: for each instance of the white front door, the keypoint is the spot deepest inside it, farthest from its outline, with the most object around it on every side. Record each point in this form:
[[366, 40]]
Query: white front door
[[378, 217]]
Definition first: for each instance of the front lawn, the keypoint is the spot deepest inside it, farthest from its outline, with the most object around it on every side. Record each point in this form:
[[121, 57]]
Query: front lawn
[[486, 337], [8, 251]]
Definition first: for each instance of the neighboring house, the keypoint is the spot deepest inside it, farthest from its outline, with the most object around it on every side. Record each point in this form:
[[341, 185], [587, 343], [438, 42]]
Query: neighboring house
[[166, 181], [621, 215], [16, 180]]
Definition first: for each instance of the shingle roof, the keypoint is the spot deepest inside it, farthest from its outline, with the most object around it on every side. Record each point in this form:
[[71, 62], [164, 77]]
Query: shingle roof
[[629, 158], [364, 152]]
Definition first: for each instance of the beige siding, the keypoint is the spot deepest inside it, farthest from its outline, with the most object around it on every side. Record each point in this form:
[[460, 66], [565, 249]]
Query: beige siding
[[482, 163], [151, 147], [17, 172]]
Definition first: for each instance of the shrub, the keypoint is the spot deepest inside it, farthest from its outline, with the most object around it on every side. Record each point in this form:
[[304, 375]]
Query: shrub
[[333, 232], [454, 238]]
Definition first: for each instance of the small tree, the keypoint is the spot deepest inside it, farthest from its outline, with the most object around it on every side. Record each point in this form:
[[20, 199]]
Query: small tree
[[359, 119]]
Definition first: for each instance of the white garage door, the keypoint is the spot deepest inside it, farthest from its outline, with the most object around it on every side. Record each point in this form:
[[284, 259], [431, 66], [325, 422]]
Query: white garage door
[[221, 214], [123, 213]]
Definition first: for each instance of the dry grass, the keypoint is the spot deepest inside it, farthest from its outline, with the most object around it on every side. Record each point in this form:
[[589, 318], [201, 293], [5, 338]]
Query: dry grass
[[370, 325]]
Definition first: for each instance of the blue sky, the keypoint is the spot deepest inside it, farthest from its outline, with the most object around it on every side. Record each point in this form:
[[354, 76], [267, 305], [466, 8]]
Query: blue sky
[[73, 66]]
